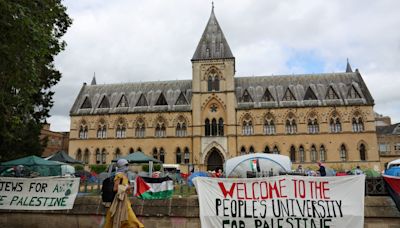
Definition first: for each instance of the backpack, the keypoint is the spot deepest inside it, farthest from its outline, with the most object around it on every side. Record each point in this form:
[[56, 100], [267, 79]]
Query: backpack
[[107, 190]]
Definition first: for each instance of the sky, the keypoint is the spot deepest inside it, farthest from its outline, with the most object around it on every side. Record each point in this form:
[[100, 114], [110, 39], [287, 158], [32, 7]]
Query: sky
[[136, 41]]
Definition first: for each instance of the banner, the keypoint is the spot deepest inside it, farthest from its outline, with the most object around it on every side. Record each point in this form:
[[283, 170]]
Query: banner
[[42, 193], [281, 201]]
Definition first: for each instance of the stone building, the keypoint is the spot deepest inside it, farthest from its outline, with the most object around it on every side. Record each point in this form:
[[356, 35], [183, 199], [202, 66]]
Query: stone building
[[388, 142], [217, 115], [56, 141]]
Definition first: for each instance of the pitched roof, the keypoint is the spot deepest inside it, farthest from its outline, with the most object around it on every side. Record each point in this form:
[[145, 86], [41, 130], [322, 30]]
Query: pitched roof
[[212, 44], [393, 129]]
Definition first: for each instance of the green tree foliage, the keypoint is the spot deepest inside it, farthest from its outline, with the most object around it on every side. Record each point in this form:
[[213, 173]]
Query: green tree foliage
[[30, 38], [98, 168]]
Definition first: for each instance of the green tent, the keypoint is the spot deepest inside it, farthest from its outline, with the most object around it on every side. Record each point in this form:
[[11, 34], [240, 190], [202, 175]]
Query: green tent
[[33, 164], [62, 156], [138, 157]]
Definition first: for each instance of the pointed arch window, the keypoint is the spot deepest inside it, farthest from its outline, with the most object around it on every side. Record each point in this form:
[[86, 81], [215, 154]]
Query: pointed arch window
[[313, 126], [181, 130], [105, 103], [334, 124], [353, 94], [288, 96], [363, 152], [161, 100], [246, 97], [160, 129], [343, 153], [162, 155], [98, 156], [266, 150], [117, 153], [276, 150], [269, 125], [187, 155], [313, 153], [207, 127], [302, 154], [292, 154], [247, 127], [291, 126], [120, 131], [155, 153], [142, 101], [139, 149], [79, 155], [123, 102], [131, 150], [83, 131], [140, 129], [102, 130], [331, 94], [213, 81], [242, 151], [178, 156], [214, 127], [104, 156], [221, 127], [86, 156], [357, 123], [322, 153], [251, 150]]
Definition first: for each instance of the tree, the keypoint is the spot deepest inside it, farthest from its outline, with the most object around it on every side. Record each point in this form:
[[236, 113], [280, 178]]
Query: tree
[[30, 38]]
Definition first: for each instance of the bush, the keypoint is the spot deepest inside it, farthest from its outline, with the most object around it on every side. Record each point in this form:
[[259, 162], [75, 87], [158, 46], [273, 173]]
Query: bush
[[156, 167], [98, 168], [78, 167]]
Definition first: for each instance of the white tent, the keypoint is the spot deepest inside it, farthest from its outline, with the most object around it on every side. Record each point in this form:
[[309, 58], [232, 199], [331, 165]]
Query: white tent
[[258, 162], [394, 162]]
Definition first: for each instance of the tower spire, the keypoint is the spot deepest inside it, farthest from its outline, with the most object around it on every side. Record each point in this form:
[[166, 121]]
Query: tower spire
[[94, 79], [348, 67], [212, 44]]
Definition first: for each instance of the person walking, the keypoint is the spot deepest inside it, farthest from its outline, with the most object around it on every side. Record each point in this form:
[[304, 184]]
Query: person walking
[[321, 170], [120, 213]]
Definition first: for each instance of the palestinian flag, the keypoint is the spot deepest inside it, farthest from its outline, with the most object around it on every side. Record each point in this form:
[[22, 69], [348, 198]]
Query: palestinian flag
[[154, 188]]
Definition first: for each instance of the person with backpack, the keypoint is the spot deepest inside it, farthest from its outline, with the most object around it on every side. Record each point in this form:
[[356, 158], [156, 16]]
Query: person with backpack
[[120, 213]]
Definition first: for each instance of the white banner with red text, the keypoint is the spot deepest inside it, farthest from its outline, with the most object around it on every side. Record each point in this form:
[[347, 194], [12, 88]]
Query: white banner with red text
[[41, 193], [281, 201]]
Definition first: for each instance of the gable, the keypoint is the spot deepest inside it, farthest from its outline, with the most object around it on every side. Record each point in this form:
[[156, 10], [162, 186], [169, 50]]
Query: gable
[[310, 95], [288, 96], [142, 101], [123, 102], [267, 96], [86, 103], [246, 97], [181, 100], [353, 94], [105, 103], [331, 94], [161, 100]]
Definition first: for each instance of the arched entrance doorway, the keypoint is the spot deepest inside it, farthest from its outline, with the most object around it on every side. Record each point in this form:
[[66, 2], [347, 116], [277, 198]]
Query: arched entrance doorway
[[215, 160]]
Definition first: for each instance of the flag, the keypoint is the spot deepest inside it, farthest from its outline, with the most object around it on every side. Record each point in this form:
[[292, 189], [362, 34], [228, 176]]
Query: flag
[[393, 187], [154, 188]]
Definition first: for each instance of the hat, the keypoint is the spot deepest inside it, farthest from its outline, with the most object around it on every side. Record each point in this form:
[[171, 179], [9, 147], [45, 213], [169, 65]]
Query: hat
[[121, 162]]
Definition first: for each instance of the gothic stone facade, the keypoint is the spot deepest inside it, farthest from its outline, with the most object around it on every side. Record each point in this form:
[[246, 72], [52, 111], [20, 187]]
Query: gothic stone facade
[[217, 115]]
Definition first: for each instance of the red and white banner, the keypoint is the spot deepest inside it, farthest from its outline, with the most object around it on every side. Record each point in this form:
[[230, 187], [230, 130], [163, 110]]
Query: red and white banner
[[281, 201]]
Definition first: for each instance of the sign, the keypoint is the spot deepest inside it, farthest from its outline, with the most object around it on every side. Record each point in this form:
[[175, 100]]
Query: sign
[[282, 201], [42, 193]]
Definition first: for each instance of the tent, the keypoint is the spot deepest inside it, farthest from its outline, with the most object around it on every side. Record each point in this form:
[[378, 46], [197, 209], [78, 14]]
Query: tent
[[34, 164], [393, 163], [138, 157], [258, 162], [62, 156]]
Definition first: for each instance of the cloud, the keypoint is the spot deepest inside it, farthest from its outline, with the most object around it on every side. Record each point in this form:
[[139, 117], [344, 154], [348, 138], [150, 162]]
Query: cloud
[[131, 41]]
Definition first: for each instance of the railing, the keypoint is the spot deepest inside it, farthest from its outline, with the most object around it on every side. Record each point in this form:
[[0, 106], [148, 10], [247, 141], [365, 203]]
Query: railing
[[374, 186]]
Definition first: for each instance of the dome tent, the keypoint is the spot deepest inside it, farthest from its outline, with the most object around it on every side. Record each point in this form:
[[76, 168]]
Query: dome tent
[[264, 163]]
